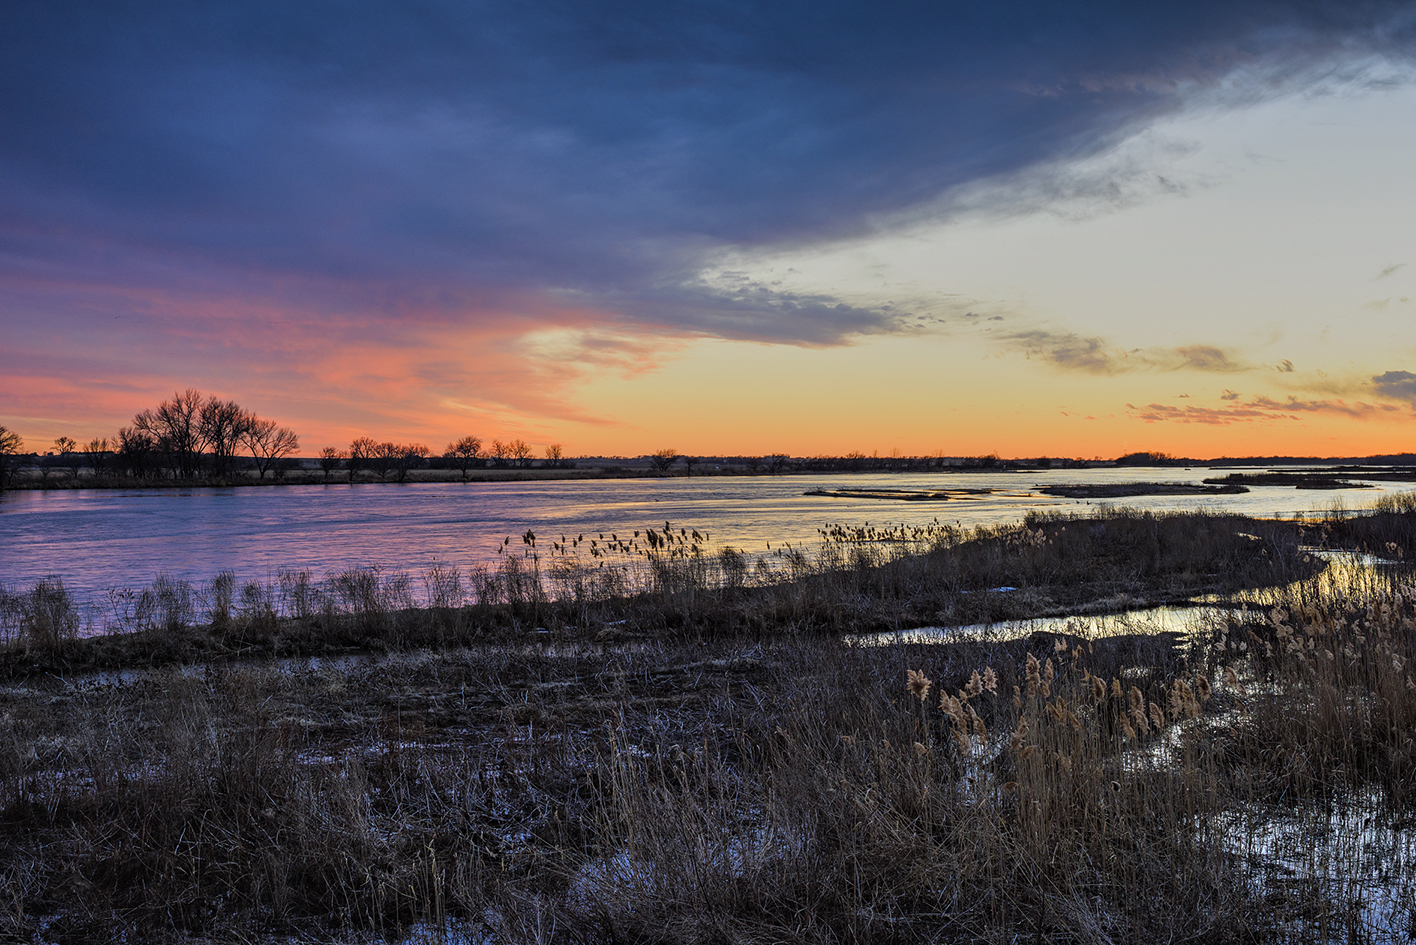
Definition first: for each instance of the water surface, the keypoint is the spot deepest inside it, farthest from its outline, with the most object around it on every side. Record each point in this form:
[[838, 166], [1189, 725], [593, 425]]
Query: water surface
[[98, 540]]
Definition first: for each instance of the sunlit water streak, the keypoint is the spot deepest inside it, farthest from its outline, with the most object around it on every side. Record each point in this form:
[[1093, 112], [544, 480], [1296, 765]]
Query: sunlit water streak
[[98, 540]]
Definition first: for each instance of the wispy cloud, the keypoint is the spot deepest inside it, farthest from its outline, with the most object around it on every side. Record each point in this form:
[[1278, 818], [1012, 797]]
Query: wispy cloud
[[1258, 410], [1388, 271], [1073, 352]]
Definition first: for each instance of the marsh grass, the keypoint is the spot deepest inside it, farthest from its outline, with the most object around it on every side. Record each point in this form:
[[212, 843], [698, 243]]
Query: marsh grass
[[43, 621], [669, 581], [715, 768]]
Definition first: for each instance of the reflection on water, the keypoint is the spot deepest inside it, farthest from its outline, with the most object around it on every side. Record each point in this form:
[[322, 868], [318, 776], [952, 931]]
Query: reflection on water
[[97, 540], [1346, 572], [1183, 620]]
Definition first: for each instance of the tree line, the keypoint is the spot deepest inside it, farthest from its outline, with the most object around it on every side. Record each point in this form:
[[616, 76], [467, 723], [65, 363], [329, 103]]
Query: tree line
[[395, 460], [191, 436], [194, 436]]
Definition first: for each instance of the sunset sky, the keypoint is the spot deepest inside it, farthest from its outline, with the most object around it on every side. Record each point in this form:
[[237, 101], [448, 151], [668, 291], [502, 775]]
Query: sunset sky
[[1031, 228]]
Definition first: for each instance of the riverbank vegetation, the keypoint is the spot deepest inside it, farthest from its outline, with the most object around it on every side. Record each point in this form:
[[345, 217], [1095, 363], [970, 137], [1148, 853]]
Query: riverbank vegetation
[[626, 738]]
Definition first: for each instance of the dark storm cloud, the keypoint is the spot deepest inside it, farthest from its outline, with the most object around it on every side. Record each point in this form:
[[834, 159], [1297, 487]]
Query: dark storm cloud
[[455, 153]]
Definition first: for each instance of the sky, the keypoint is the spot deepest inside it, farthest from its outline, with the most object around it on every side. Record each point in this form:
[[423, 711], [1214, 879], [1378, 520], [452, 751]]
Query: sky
[[1032, 228]]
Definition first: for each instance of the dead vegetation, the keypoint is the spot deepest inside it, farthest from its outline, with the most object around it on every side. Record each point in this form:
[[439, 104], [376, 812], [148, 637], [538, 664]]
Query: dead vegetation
[[681, 786]]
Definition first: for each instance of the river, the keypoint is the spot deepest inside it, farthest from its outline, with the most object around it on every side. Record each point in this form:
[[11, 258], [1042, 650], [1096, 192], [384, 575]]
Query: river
[[99, 540]]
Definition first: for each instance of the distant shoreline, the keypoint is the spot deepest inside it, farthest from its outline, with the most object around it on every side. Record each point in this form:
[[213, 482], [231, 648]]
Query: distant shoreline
[[29, 479]]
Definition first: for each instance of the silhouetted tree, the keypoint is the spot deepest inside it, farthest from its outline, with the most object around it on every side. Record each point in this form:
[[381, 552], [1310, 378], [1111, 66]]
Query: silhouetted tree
[[661, 460], [555, 456], [361, 454], [500, 452], [175, 430], [268, 443], [69, 455], [405, 457], [137, 453], [10, 444], [689, 462], [777, 463], [223, 426], [383, 458], [330, 459], [96, 454], [520, 452], [465, 453]]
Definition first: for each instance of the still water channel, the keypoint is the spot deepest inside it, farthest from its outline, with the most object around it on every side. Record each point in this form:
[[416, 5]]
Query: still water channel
[[98, 540]]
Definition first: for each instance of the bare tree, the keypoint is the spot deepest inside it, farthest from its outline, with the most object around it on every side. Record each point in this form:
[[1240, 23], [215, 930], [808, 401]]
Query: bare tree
[[330, 459], [555, 456], [96, 453], [406, 457], [268, 442], [361, 453], [464, 454], [661, 460], [500, 452], [383, 458], [777, 463], [68, 452], [689, 462], [520, 452], [175, 429], [223, 426], [137, 453], [10, 444]]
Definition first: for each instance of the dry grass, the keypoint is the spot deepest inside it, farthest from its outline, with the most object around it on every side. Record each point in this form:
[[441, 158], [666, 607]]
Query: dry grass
[[735, 787], [666, 583]]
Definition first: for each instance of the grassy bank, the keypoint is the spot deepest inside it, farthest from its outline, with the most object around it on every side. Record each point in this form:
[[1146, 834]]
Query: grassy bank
[[665, 583], [721, 766]]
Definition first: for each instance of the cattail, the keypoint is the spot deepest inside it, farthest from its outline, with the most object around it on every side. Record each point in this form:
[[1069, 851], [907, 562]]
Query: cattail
[[1189, 705], [1018, 738], [1177, 701], [919, 684], [990, 680], [1139, 717], [1137, 705]]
